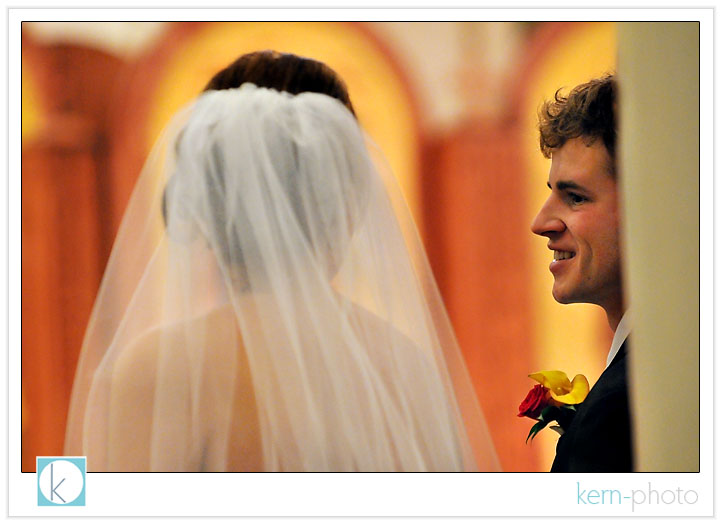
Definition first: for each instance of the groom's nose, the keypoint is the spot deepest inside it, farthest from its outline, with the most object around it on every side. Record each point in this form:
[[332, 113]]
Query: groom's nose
[[546, 222]]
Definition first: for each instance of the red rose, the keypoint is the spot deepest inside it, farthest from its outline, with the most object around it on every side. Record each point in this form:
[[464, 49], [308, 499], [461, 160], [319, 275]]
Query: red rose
[[536, 400]]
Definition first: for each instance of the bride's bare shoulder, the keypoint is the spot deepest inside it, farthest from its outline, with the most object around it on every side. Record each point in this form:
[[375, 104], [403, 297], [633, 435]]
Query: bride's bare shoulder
[[137, 362], [370, 327], [134, 377]]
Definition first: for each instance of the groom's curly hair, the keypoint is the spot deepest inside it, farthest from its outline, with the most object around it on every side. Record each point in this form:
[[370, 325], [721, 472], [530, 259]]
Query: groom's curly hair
[[588, 111]]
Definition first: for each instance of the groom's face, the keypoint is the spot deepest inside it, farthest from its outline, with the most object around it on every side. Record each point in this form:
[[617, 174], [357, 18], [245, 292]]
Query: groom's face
[[580, 220]]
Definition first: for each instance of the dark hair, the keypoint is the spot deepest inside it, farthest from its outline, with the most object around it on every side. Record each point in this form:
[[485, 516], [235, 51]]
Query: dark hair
[[283, 72], [279, 71], [587, 112]]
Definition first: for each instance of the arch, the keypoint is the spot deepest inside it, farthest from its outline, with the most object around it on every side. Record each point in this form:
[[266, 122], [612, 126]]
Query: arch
[[189, 53]]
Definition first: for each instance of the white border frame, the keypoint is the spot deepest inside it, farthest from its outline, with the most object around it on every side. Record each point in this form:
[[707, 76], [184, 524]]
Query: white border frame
[[362, 494]]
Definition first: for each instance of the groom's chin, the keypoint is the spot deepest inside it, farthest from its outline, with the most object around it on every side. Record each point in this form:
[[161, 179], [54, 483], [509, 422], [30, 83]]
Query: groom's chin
[[560, 296]]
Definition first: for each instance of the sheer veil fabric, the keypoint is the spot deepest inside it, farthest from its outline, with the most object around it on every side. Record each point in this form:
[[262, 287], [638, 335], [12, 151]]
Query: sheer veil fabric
[[268, 306]]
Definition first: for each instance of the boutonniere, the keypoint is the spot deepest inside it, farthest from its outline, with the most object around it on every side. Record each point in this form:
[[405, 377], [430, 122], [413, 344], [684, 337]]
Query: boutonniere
[[555, 398]]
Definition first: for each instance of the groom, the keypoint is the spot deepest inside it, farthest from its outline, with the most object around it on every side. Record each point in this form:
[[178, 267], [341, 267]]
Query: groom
[[581, 220]]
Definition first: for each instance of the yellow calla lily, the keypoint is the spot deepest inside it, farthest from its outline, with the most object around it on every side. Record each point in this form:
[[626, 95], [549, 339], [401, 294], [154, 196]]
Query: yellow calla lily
[[561, 389], [578, 393], [554, 380]]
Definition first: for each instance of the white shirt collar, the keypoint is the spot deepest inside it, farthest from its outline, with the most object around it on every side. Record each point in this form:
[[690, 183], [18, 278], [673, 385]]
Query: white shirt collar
[[621, 333]]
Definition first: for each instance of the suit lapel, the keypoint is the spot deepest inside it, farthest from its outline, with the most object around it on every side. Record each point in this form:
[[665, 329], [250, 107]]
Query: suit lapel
[[622, 351], [577, 435]]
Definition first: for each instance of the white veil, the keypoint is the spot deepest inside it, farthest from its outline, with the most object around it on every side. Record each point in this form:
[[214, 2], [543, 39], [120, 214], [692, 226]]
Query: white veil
[[268, 306]]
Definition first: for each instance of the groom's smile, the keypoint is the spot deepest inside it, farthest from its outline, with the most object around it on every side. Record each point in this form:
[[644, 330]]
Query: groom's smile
[[581, 222], [560, 260]]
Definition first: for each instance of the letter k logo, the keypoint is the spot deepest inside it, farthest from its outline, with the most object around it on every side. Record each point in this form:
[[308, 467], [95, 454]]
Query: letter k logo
[[61, 480], [54, 489]]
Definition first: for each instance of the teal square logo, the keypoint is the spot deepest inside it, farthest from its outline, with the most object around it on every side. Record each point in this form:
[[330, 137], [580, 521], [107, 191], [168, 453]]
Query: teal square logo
[[61, 480]]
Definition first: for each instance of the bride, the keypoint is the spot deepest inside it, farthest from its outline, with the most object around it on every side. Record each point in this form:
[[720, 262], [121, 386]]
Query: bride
[[268, 305]]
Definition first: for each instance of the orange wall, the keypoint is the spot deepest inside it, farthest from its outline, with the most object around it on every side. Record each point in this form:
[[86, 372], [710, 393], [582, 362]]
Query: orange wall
[[474, 194], [64, 238]]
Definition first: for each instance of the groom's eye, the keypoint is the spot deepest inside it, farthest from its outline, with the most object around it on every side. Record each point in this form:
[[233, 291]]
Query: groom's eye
[[575, 198]]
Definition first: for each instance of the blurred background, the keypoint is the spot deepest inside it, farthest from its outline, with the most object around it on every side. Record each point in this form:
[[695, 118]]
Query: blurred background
[[452, 105]]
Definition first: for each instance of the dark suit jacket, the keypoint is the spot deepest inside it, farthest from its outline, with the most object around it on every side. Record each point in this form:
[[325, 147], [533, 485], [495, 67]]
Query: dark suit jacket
[[599, 437]]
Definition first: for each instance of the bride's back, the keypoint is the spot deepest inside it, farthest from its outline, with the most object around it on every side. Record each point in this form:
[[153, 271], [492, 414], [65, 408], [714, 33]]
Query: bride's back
[[175, 425], [217, 426]]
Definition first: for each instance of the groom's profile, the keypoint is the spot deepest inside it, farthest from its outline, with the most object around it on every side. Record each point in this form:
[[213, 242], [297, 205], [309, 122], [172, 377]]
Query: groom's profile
[[581, 220]]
